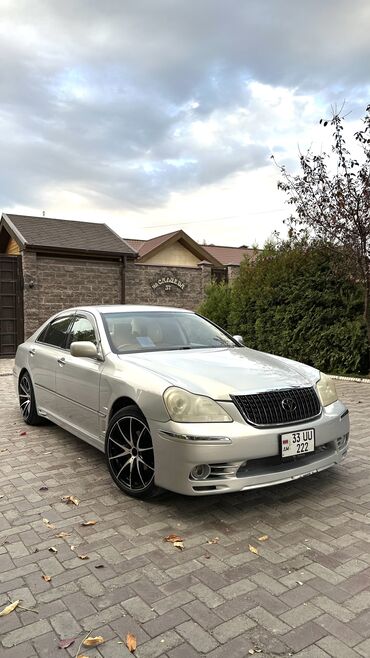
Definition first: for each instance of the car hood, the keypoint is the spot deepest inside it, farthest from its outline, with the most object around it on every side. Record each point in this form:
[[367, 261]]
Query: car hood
[[221, 372]]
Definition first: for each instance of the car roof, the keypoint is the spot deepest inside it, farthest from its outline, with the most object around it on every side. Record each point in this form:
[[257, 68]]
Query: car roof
[[125, 308]]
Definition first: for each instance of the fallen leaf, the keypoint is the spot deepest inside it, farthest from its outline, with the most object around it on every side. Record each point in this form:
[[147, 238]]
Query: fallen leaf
[[84, 557], [93, 641], [64, 644], [70, 499], [52, 549], [23, 434], [179, 545], [85, 523], [9, 608], [213, 541], [46, 578], [48, 524], [263, 538], [131, 642], [44, 489], [253, 549], [63, 535], [172, 538]]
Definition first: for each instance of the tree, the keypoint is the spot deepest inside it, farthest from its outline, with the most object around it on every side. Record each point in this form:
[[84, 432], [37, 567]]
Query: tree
[[332, 203]]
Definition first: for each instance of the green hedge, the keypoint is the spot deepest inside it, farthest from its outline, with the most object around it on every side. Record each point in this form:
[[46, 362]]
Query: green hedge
[[299, 303]]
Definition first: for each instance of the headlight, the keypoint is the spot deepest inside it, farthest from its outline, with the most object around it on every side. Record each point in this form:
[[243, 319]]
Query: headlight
[[326, 390], [185, 407]]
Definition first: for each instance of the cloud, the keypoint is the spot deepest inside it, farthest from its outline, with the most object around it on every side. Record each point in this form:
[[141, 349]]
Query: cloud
[[126, 103]]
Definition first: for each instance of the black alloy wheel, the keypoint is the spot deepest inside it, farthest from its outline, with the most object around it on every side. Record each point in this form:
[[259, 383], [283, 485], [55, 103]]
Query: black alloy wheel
[[27, 401], [129, 453]]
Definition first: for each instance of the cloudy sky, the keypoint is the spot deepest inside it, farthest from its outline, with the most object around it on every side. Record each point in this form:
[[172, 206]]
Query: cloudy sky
[[156, 114]]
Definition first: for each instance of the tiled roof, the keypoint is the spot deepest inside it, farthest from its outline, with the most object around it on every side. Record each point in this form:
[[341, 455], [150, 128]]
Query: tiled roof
[[153, 243], [66, 235], [230, 255], [225, 255]]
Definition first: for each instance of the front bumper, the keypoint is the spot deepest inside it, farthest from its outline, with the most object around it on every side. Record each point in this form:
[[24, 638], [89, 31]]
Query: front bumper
[[241, 456]]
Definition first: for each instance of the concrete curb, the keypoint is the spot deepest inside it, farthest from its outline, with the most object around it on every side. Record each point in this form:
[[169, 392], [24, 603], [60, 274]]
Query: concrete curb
[[343, 378]]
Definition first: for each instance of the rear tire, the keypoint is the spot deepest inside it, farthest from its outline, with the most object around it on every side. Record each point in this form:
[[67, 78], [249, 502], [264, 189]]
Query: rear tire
[[27, 402], [129, 453]]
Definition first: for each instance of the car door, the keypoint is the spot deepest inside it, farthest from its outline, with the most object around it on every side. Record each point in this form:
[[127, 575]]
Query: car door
[[43, 357], [78, 380]]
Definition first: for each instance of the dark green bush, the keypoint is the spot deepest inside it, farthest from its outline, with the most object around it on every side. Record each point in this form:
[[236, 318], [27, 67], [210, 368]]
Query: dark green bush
[[216, 305], [299, 303]]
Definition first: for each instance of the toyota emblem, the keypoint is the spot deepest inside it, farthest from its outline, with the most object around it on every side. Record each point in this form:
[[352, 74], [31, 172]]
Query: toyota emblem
[[288, 404]]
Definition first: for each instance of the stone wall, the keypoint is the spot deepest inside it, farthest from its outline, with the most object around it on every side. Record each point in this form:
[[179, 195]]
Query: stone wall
[[167, 286], [52, 284]]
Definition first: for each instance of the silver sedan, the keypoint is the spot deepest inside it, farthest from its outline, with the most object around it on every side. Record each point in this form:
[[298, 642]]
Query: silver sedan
[[175, 402]]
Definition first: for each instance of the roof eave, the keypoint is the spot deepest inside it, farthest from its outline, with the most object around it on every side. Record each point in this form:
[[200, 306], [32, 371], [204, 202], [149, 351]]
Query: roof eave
[[13, 231]]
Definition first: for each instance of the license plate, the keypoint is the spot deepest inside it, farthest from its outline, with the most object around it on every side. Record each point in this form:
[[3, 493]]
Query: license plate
[[297, 443]]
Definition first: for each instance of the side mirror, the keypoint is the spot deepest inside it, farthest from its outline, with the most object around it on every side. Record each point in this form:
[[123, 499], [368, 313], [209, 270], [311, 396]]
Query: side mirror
[[239, 339], [84, 348]]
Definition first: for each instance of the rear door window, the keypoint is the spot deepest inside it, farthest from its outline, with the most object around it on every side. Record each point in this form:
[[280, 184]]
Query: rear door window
[[56, 332]]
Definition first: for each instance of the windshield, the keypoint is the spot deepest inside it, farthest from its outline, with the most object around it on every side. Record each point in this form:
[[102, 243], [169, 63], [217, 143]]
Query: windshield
[[161, 330]]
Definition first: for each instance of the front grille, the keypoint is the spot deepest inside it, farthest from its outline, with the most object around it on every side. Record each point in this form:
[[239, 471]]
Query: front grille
[[266, 409]]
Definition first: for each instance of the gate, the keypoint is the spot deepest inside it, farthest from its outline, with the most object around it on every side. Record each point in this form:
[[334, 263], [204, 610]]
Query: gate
[[11, 305]]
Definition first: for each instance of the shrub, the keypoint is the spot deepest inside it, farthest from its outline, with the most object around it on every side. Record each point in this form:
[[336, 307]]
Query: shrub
[[299, 303]]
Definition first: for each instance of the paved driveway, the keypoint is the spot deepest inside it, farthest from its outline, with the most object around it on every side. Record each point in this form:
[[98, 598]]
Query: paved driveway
[[307, 592]]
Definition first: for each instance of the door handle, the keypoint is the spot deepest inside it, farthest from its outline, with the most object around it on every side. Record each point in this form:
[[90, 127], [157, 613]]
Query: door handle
[[62, 361], [32, 351]]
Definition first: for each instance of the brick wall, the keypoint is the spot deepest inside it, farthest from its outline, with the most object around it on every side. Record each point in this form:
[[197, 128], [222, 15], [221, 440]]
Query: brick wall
[[52, 284], [151, 284]]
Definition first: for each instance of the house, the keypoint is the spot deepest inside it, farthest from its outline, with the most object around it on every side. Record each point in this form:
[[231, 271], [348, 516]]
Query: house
[[49, 264]]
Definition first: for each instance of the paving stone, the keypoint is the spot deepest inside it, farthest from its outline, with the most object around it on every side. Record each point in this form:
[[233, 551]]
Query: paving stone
[[222, 605], [159, 645], [230, 629], [336, 648], [138, 609], [304, 635], [26, 633], [165, 622], [364, 648], [268, 621], [65, 624], [196, 636]]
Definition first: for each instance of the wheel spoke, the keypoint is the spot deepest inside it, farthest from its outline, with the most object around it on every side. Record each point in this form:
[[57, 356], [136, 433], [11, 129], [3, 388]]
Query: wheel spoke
[[139, 472], [117, 443], [145, 464], [139, 437], [131, 467], [124, 466], [121, 454], [124, 435]]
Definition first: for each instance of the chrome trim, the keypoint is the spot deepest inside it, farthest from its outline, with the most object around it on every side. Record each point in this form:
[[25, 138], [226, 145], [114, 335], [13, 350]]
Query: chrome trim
[[189, 437]]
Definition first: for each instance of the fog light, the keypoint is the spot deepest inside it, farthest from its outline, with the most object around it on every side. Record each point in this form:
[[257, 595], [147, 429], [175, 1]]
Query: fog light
[[200, 472]]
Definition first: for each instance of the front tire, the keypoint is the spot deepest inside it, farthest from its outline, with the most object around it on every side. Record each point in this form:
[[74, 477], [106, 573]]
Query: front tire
[[27, 402], [129, 453]]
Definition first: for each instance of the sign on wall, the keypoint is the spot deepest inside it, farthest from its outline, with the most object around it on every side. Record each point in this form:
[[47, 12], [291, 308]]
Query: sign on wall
[[167, 283]]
